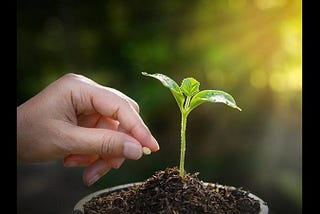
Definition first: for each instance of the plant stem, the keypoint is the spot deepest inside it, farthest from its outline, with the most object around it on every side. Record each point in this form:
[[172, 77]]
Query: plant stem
[[183, 142], [184, 115]]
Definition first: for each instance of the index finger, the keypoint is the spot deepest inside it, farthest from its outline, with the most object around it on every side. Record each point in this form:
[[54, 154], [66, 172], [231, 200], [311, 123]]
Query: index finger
[[114, 104]]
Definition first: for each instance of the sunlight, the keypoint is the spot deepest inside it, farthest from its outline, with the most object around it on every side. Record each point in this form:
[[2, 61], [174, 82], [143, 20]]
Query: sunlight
[[268, 4]]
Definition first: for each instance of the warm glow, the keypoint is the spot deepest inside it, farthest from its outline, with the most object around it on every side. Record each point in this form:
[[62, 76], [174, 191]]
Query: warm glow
[[290, 79], [268, 4], [259, 79]]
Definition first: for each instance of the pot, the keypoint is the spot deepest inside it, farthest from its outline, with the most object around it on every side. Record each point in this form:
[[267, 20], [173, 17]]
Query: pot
[[78, 209]]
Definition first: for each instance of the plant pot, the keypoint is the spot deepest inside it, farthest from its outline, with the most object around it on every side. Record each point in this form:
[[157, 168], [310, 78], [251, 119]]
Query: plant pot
[[79, 208]]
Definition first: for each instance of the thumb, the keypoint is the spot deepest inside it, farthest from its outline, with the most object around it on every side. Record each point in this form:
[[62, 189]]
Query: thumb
[[104, 142]]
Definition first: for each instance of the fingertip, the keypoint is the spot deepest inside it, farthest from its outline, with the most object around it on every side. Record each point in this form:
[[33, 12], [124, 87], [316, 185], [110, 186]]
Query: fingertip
[[144, 136], [91, 181], [132, 150], [155, 143], [152, 144], [95, 171], [116, 162]]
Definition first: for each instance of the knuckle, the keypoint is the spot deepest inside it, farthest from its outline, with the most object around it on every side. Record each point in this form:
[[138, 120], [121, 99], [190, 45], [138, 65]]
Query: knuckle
[[70, 76], [107, 145], [68, 79], [136, 106], [133, 104]]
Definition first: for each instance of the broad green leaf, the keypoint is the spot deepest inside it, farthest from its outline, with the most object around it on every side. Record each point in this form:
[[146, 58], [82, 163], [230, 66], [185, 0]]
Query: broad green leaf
[[190, 86], [171, 84], [213, 96]]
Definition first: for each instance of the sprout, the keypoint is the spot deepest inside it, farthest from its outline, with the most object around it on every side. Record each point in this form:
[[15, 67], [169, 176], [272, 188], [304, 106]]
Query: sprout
[[189, 97]]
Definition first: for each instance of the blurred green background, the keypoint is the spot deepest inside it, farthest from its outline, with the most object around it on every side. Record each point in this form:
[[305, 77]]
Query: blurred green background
[[251, 49]]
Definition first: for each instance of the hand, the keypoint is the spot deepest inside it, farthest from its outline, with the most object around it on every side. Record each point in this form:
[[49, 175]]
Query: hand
[[84, 123]]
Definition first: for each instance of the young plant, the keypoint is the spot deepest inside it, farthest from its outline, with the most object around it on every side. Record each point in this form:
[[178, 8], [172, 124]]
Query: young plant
[[188, 98]]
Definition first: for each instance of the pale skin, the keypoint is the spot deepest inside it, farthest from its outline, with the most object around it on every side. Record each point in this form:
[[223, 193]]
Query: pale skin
[[83, 123]]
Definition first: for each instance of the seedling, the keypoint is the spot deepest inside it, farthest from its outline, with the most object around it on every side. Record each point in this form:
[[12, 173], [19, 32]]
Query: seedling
[[189, 97]]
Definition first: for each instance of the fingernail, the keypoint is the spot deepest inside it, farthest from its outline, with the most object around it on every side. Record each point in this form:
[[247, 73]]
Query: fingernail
[[117, 162], [154, 140], [132, 151], [93, 179], [96, 171]]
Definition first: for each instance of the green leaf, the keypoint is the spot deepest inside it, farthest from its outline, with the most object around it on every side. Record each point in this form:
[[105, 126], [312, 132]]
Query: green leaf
[[213, 96], [190, 86], [171, 84]]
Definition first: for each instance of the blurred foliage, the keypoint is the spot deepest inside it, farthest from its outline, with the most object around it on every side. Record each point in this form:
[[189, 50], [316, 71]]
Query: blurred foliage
[[248, 48]]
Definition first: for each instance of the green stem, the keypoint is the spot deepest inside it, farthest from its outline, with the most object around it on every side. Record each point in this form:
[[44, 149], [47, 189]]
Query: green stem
[[184, 115], [183, 142]]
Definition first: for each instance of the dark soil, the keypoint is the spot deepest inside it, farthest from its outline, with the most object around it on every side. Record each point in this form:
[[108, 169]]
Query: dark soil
[[166, 192]]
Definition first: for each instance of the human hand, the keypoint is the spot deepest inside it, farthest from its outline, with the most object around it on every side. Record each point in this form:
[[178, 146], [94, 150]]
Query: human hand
[[84, 123]]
